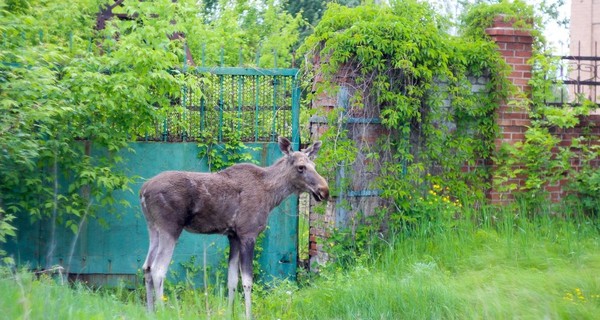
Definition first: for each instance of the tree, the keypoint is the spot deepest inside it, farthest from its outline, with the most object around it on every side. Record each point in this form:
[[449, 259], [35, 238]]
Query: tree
[[312, 11], [73, 95], [256, 33]]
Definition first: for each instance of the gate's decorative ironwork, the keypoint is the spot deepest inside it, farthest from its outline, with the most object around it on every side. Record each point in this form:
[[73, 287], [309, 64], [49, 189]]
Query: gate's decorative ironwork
[[257, 104], [580, 79]]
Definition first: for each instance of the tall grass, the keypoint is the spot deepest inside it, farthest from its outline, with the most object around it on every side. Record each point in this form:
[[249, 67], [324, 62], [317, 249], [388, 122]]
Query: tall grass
[[489, 264]]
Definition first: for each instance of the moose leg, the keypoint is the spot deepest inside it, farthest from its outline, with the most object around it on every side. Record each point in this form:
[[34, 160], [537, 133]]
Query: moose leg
[[233, 270], [164, 253], [153, 235], [246, 256]]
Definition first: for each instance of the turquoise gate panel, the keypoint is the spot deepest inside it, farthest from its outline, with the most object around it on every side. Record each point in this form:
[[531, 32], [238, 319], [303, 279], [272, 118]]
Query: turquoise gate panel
[[116, 247]]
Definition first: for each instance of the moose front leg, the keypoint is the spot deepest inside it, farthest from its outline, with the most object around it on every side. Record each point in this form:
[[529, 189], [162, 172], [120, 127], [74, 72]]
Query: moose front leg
[[246, 257]]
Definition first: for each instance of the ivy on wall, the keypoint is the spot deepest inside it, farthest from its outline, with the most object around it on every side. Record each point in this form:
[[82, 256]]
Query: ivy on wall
[[406, 65], [425, 86]]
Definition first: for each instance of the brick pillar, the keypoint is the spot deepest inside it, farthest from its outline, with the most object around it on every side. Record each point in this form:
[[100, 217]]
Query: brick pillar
[[320, 222], [515, 46], [363, 128]]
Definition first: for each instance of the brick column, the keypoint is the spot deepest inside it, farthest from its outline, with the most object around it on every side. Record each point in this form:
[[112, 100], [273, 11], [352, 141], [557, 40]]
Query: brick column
[[515, 46]]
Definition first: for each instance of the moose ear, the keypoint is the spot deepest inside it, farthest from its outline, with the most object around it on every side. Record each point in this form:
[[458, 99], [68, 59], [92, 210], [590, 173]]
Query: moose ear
[[285, 145], [313, 150]]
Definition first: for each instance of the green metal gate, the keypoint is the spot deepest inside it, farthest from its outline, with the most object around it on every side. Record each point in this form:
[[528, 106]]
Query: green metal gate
[[257, 104]]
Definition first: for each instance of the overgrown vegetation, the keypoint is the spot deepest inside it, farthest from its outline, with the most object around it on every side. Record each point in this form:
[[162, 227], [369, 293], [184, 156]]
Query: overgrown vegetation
[[400, 64], [73, 95], [542, 158], [418, 79], [492, 264], [233, 33], [436, 251]]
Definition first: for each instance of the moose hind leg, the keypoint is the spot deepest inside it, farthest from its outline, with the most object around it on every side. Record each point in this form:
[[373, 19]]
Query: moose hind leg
[[153, 235], [160, 265], [246, 256], [233, 270]]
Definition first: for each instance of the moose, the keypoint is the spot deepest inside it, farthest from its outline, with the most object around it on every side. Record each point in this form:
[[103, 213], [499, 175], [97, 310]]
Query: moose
[[235, 202]]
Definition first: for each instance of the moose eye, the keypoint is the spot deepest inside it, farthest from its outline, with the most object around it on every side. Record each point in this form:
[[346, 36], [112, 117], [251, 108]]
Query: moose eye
[[301, 168]]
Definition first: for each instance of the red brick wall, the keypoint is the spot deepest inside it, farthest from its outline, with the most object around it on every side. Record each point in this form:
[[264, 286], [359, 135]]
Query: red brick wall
[[589, 125], [515, 45]]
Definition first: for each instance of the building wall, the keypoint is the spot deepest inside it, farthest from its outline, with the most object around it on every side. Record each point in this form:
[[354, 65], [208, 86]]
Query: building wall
[[585, 42], [585, 27]]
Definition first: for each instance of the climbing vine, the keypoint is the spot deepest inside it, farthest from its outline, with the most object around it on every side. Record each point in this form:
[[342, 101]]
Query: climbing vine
[[220, 154], [434, 93]]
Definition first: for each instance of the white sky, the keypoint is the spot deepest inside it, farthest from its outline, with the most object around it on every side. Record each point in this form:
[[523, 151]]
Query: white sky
[[558, 36]]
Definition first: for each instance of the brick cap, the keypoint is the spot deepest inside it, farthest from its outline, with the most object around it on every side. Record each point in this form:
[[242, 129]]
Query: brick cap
[[508, 31], [503, 20], [504, 26], [523, 34]]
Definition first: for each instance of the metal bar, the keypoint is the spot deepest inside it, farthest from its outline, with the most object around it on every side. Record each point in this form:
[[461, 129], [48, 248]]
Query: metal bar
[[296, 113], [364, 120], [184, 105], [247, 71], [274, 115], [165, 133], [363, 193], [580, 58], [221, 104], [582, 82], [569, 104], [240, 101], [282, 128], [321, 119], [202, 111], [256, 107], [340, 211]]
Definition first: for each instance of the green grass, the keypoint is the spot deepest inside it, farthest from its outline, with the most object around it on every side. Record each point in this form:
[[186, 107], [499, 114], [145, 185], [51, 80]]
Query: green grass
[[508, 269], [484, 267]]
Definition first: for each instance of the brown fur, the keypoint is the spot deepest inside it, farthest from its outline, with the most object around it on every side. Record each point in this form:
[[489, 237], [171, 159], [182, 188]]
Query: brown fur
[[235, 202]]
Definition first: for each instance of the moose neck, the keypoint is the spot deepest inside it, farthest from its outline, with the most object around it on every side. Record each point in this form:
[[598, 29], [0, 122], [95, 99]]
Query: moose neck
[[279, 183]]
